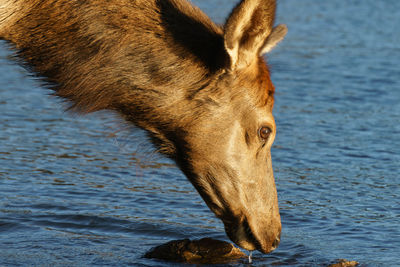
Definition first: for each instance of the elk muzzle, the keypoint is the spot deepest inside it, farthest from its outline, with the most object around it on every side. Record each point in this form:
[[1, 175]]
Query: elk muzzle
[[249, 211]]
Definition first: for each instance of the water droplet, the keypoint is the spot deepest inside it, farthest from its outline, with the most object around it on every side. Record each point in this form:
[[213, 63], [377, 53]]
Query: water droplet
[[250, 255]]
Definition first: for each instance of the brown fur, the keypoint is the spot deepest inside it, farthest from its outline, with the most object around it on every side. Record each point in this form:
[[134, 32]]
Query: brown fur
[[165, 66]]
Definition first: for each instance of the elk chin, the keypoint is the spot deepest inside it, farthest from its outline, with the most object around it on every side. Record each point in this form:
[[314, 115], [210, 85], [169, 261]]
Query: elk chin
[[237, 233], [245, 237]]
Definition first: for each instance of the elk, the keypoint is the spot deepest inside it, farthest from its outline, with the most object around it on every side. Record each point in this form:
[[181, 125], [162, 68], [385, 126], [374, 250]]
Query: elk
[[201, 91]]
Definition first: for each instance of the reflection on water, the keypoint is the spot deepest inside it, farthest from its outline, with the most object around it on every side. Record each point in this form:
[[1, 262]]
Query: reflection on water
[[91, 191]]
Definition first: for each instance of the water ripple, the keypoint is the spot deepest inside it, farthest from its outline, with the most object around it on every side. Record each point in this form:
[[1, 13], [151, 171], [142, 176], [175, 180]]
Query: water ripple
[[90, 190]]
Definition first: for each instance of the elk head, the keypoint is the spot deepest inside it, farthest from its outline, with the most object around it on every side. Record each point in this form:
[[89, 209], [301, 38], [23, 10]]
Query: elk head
[[224, 143]]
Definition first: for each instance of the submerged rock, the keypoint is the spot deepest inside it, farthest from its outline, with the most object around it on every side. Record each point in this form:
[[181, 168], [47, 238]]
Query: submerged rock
[[344, 263], [205, 251]]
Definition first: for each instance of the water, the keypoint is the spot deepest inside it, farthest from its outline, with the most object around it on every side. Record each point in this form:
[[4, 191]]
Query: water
[[89, 191]]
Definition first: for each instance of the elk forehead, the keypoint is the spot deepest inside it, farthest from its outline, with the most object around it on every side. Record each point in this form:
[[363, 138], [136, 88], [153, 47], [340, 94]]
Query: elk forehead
[[257, 80], [265, 84]]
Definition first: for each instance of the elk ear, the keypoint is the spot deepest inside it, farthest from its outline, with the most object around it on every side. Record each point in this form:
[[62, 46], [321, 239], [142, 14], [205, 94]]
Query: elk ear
[[248, 31], [278, 33]]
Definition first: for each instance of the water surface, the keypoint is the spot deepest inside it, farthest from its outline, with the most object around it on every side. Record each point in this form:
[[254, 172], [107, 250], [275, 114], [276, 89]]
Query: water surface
[[90, 191]]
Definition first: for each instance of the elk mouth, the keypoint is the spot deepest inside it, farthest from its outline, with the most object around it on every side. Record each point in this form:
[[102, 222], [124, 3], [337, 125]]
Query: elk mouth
[[242, 234]]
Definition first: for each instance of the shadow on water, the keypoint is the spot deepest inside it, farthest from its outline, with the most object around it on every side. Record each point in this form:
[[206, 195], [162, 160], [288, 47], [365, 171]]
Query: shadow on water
[[91, 191]]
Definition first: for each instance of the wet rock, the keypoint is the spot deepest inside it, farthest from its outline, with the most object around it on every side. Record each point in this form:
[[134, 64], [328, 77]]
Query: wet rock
[[203, 251], [344, 263]]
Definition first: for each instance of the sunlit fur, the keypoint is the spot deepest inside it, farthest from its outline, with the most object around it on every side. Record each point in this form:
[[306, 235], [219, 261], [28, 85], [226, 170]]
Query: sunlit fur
[[201, 91]]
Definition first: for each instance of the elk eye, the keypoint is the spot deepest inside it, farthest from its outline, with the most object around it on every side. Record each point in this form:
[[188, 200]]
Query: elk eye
[[264, 133]]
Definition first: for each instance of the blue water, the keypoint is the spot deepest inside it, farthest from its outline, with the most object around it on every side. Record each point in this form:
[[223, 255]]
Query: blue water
[[78, 191]]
